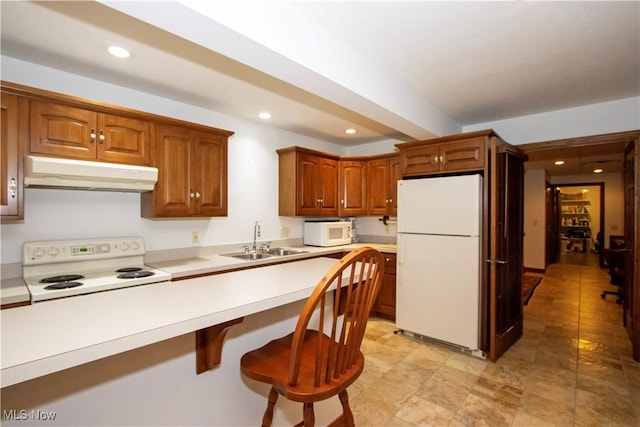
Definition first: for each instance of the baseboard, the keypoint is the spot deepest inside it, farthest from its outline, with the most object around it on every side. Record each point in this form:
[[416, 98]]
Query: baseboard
[[535, 270]]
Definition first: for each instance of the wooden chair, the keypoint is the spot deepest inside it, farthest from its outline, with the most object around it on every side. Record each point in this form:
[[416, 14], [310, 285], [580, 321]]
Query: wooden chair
[[308, 366]]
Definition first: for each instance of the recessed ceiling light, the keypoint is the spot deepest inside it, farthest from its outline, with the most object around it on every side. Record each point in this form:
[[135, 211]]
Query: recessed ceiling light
[[350, 131], [559, 162], [118, 51], [597, 171], [264, 115]]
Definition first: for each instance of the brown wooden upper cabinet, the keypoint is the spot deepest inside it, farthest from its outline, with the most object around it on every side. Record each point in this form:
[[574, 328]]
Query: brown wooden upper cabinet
[[11, 129], [383, 174], [192, 173], [442, 155], [353, 187], [308, 182], [77, 133]]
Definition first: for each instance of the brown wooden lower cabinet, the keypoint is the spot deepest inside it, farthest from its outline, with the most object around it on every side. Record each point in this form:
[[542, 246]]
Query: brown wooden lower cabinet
[[385, 305]]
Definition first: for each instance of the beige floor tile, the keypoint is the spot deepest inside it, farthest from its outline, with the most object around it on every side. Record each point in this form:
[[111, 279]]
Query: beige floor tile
[[572, 367]]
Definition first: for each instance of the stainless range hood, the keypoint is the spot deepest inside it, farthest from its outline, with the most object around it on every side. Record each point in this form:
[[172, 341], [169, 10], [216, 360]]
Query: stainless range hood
[[52, 172]]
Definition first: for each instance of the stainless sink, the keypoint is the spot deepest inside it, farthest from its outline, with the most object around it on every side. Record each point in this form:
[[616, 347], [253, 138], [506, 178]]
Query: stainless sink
[[264, 254], [284, 251], [248, 256]]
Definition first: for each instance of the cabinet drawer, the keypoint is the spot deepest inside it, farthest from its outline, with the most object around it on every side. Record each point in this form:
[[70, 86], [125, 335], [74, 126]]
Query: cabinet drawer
[[389, 263]]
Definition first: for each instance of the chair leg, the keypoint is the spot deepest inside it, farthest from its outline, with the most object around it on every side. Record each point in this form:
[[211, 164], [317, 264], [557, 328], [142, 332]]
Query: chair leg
[[346, 410], [309, 417], [268, 414]]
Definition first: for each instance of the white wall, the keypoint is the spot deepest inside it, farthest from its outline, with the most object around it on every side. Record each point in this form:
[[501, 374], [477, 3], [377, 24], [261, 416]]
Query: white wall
[[534, 219], [606, 117]]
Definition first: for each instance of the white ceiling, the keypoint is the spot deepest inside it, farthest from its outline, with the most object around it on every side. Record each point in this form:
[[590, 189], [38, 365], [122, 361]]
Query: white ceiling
[[391, 70]]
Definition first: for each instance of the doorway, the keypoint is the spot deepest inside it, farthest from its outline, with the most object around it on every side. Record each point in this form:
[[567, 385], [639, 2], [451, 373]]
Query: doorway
[[580, 219]]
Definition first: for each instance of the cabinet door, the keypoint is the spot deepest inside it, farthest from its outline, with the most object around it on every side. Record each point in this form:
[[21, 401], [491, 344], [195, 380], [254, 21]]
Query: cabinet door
[[420, 160], [328, 187], [467, 154], [395, 176], [506, 253], [353, 187], [123, 140], [174, 188], [63, 131], [10, 170], [307, 181], [210, 170], [386, 302], [378, 177]]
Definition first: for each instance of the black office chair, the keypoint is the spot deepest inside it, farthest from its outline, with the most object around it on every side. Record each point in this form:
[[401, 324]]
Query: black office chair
[[614, 258]]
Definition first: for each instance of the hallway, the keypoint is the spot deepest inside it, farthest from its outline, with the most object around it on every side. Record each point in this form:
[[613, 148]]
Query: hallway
[[572, 367]]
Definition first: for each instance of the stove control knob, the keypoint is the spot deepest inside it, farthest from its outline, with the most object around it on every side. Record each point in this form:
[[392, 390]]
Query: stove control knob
[[103, 248], [53, 251], [135, 246], [37, 253], [124, 246]]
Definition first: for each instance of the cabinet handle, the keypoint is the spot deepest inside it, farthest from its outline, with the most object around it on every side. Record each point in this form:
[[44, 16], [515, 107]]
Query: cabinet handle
[[92, 136], [192, 194], [441, 158], [197, 195], [390, 201], [13, 187], [342, 202], [102, 137]]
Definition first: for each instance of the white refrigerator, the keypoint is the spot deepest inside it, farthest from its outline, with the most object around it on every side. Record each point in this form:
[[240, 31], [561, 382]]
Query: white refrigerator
[[439, 251]]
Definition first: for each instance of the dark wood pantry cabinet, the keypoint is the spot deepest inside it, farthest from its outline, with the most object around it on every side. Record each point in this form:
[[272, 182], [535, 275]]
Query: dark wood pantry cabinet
[[502, 168]]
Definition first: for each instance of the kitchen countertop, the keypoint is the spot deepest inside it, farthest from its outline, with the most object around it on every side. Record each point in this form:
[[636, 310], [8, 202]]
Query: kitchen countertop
[[46, 337], [15, 291], [216, 263]]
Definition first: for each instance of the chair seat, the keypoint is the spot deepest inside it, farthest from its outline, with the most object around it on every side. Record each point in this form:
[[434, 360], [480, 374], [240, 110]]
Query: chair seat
[[270, 364]]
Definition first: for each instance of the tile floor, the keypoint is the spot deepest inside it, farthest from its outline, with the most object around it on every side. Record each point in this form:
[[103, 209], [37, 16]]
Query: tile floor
[[572, 367]]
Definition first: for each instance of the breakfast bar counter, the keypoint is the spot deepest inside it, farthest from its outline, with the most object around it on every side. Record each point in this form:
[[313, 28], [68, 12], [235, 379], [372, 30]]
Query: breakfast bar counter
[[51, 336]]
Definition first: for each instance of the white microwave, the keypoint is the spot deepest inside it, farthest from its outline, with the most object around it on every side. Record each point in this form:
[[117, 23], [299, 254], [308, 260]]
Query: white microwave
[[328, 233]]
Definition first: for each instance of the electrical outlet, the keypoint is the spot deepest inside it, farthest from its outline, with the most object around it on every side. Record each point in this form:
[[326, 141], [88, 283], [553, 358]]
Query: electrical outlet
[[284, 232], [195, 237]]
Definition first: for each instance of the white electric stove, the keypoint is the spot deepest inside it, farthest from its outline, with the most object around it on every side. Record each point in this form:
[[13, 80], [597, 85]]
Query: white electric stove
[[57, 269]]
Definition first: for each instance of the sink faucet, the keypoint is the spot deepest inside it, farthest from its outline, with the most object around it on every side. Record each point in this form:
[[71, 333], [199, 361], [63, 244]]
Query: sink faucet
[[256, 234]]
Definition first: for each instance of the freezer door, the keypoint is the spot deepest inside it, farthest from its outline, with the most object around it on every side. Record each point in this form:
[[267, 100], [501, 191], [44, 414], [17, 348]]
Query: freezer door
[[442, 205], [438, 288]]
